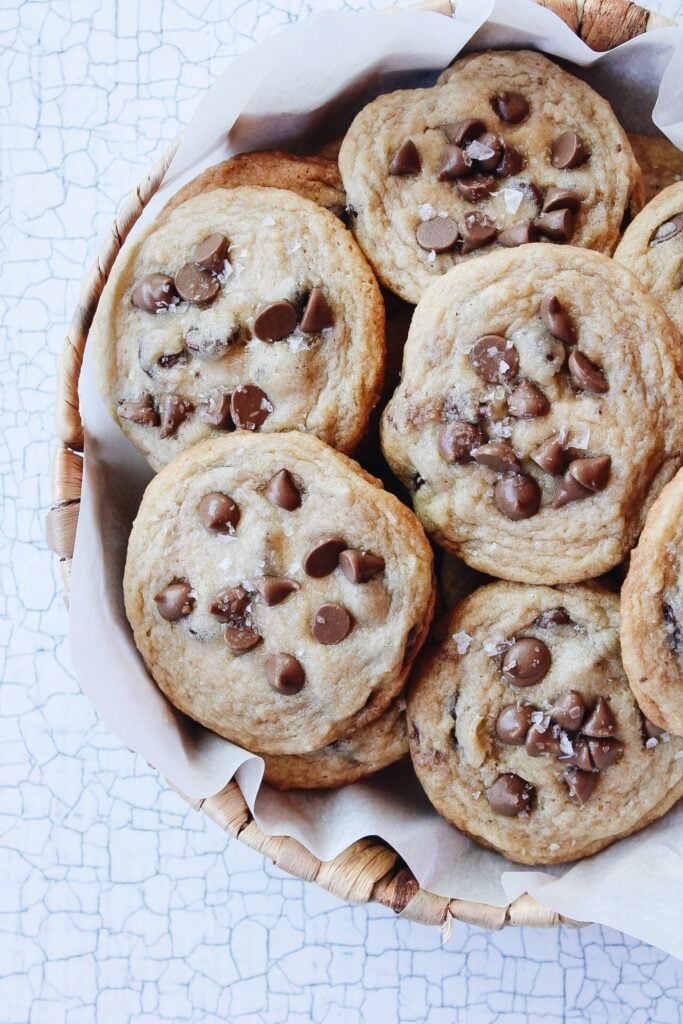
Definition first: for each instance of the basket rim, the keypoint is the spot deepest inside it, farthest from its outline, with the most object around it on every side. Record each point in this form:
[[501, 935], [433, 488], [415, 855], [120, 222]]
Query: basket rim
[[368, 870]]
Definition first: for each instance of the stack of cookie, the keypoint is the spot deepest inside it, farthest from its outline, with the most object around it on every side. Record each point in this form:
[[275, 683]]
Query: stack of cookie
[[280, 594]]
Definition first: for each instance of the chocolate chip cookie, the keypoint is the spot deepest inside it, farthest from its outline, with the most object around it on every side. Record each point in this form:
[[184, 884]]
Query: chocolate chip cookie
[[652, 612], [505, 149], [311, 177], [347, 760], [538, 413], [660, 161], [523, 729], [652, 248], [249, 309], [277, 594]]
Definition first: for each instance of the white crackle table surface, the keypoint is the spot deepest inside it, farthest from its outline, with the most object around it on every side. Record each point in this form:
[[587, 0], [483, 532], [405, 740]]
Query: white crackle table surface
[[118, 904]]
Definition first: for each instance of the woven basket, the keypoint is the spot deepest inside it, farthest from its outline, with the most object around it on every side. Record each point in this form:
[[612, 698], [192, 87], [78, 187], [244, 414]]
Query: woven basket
[[369, 870]]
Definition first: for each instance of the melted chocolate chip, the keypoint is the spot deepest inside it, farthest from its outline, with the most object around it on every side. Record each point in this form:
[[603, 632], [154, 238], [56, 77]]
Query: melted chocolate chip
[[550, 456], [218, 513], [210, 344], [558, 225], [282, 491], [477, 230], [175, 601], [140, 410], [495, 145], [170, 359], [323, 558], [518, 234], [154, 293], [553, 617], [438, 234], [360, 566], [216, 413], [585, 375], [569, 489], [580, 784], [229, 605], [513, 723], [499, 456], [249, 407], [240, 637], [517, 497], [569, 708], [273, 589], [284, 674], [526, 662], [331, 624], [476, 187], [592, 474], [511, 162], [600, 723], [196, 285], [511, 106], [561, 199], [276, 321], [557, 320], [173, 410], [454, 164], [406, 159], [211, 254], [510, 795], [317, 313], [456, 441], [494, 358], [466, 130], [673, 630], [568, 151], [527, 401], [605, 752]]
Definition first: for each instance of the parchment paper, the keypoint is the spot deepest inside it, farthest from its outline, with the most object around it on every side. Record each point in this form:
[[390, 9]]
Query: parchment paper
[[282, 93]]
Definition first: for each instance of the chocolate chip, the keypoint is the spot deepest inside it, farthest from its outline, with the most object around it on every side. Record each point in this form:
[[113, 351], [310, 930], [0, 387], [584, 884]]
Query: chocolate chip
[[477, 230], [527, 401], [499, 456], [317, 314], [517, 234], [526, 662], [494, 358], [550, 455], [218, 513], [600, 723], [284, 674], [511, 162], [510, 795], [513, 723], [230, 604], [273, 589], [517, 497], [173, 410], [579, 756], [323, 557], [495, 145], [668, 230], [456, 441], [569, 708], [140, 410], [561, 199], [211, 254], [605, 752], [454, 164], [170, 359], [216, 413], [557, 320], [196, 285], [458, 132], [210, 343], [240, 637], [438, 234], [558, 225], [406, 160], [331, 624], [592, 473], [585, 375], [511, 106], [568, 151], [282, 491], [652, 731], [249, 407], [541, 742], [360, 566], [476, 187], [553, 617], [567, 490], [672, 628], [580, 784], [154, 293], [276, 321], [175, 601]]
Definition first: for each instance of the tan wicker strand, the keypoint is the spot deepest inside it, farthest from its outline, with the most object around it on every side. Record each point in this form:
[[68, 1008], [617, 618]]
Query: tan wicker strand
[[368, 870]]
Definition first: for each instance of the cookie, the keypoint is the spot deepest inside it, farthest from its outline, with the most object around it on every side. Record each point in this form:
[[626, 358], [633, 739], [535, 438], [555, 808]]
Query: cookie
[[277, 594], [538, 413], [652, 611], [505, 149], [524, 732], [652, 248], [660, 161], [248, 308], [347, 760], [311, 177]]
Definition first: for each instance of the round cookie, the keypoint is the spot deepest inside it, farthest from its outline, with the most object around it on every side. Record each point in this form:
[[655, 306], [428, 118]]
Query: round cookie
[[310, 177], [524, 732], [652, 609], [538, 413], [347, 760], [505, 149], [652, 248], [660, 161], [247, 307], [277, 594]]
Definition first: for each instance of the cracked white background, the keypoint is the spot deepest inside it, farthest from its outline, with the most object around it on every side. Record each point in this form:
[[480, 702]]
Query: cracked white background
[[118, 904]]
